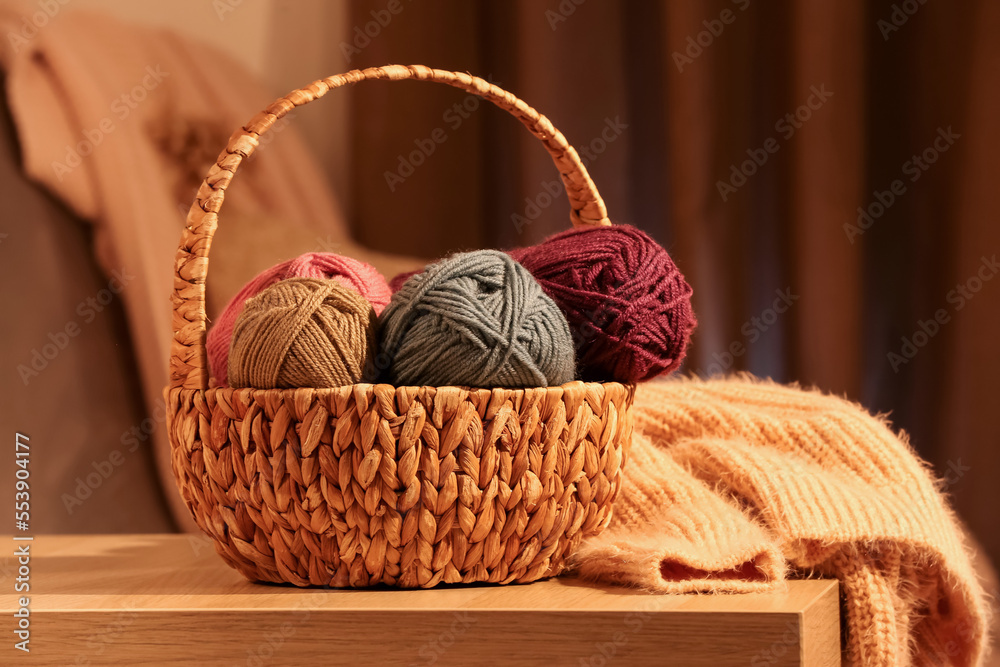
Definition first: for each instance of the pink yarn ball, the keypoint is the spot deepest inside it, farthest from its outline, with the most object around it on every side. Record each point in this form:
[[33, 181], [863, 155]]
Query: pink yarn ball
[[350, 272], [400, 278]]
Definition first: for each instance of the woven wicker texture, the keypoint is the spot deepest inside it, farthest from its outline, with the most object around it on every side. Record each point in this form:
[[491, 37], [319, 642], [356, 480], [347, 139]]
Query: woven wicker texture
[[368, 484]]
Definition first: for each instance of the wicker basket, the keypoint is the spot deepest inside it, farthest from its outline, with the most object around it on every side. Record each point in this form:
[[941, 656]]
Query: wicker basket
[[371, 483]]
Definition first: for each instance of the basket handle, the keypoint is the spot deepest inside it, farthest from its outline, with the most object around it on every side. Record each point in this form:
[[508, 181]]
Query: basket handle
[[188, 361]]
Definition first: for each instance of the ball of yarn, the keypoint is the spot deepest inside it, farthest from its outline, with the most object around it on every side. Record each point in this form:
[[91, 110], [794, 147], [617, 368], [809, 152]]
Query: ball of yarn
[[475, 319], [628, 305], [302, 332], [400, 279], [350, 272]]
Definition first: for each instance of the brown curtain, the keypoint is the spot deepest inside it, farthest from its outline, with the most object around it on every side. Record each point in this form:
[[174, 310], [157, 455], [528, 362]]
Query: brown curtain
[[748, 137]]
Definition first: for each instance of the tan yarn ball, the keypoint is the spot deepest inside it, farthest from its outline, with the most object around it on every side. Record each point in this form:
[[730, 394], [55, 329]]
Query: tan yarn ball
[[302, 332]]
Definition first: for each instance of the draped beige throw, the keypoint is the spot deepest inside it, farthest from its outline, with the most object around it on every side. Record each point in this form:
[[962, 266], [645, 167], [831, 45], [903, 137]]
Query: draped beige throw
[[732, 485]]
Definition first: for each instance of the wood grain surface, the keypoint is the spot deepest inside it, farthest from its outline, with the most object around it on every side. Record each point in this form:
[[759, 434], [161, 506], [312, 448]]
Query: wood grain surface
[[170, 600]]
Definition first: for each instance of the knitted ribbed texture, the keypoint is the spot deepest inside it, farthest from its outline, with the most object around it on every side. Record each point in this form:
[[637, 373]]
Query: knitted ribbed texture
[[658, 536], [727, 476]]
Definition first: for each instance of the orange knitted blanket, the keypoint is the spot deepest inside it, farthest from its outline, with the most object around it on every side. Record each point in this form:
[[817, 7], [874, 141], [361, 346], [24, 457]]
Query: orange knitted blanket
[[732, 485]]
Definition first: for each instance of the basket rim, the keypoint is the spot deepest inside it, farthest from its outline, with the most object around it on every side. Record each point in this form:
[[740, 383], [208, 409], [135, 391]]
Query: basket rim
[[406, 390]]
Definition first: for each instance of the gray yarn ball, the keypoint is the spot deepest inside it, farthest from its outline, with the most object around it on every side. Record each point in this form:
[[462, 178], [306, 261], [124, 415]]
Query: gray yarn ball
[[475, 319]]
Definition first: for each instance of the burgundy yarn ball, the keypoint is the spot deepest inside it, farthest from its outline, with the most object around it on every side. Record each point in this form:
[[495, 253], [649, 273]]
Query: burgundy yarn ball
[[627, 304]]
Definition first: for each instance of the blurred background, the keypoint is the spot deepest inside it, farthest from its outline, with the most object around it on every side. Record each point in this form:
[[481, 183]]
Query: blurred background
[[823, 173]]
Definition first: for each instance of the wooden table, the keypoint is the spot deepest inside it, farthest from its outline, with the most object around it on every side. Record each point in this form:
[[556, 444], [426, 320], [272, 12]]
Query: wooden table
[[170, 600]]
